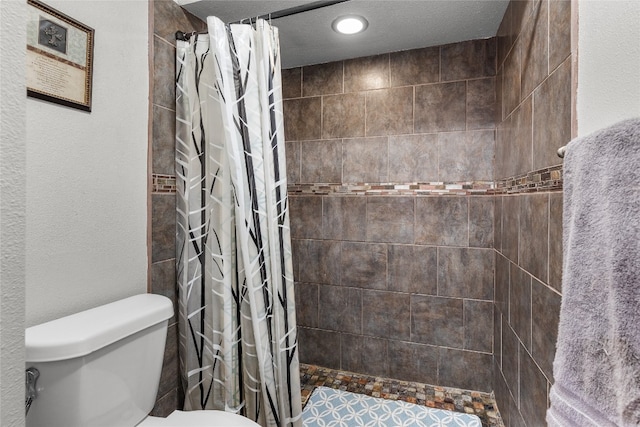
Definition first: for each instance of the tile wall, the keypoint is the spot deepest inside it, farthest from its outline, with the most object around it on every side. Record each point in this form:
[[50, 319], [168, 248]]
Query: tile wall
[[166, 17], [395, 285], [533, 118], [424, 115]]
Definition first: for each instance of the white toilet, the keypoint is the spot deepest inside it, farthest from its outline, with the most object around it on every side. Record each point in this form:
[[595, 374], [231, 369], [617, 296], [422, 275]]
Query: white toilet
[[101, 367]]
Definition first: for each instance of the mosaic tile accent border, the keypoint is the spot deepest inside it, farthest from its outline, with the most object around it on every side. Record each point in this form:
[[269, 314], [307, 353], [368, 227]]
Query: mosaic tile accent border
[[470, 402], [384, 189], [548, 179], [163, 183]]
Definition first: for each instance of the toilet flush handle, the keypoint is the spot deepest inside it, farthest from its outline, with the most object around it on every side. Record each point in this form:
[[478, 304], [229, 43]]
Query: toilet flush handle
[[31, 392]]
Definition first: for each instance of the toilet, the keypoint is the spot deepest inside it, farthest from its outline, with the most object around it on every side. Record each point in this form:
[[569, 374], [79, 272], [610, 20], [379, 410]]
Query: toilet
[[101, 368]]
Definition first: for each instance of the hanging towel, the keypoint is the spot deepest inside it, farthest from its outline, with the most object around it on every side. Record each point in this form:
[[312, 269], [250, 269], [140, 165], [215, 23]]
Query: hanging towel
[[597, 363]]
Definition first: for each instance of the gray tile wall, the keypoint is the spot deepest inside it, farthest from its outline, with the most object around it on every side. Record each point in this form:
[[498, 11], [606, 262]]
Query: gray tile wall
[[422, 115], [166, 17], [533, 118], [399, 286], [454, 95], [373, 295]]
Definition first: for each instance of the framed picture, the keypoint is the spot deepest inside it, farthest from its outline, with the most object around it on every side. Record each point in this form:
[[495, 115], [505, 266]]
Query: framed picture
[[59, 57]]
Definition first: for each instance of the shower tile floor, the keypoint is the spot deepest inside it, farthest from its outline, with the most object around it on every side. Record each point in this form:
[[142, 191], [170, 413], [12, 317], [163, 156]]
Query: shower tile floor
[[452, 399]]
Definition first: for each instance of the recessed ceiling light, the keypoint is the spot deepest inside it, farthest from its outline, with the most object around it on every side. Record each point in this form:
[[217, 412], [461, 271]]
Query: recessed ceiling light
[[350, 24]]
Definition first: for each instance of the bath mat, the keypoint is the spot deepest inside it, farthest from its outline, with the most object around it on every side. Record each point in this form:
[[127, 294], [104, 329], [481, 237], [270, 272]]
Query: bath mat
[[328, 407]]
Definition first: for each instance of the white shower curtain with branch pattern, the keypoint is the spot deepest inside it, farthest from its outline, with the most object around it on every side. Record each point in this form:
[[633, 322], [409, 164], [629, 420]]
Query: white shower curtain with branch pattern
[[237, 330]]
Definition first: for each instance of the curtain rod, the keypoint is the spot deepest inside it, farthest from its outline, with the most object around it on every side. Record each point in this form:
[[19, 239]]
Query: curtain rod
[[273, 15]]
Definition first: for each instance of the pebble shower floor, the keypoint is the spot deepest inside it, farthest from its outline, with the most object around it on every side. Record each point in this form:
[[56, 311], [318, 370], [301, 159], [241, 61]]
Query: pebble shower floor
[[452, 399]]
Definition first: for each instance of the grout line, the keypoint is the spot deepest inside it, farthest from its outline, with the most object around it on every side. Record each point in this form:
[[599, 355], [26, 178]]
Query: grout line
[[389, 70], [548, 35], [439, 63], [549, 240], [413, 110], [468, 223], [300, 161], [464, 324], [388, 159], [466, 105], [317, 305], [342, 65], [531, 314], [366, 97], [533, 116], [301, 82], [322, 217], [342, 160], [321, 116], [508, 290], [438, 155], [437, 270]]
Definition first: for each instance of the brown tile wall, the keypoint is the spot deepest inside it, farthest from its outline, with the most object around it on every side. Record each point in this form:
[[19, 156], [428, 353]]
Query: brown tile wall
[[166, 17], [533, 119], [424, 115], [375, 287], [398, 286]]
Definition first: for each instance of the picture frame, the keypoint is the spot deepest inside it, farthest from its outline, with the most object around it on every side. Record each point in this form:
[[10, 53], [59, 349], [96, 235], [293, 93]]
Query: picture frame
[[59, 66]]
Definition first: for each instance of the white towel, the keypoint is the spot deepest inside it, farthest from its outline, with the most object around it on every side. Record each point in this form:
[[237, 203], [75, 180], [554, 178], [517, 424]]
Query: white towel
[[597, 363]]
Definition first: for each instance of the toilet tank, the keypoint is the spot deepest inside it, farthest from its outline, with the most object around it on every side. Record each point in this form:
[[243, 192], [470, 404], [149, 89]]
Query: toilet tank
[[99, 367]]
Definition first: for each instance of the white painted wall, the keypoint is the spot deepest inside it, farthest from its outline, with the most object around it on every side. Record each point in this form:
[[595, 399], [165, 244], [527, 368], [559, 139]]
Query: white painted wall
[[12, 210], [86, 238], [608, 63]]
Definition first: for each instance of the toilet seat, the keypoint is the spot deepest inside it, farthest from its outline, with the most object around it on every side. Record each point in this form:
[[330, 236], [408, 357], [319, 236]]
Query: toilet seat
[[206, 418]]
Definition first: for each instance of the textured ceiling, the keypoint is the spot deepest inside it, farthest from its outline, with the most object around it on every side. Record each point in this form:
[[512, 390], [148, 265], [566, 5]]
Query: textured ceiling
[[307, 38]]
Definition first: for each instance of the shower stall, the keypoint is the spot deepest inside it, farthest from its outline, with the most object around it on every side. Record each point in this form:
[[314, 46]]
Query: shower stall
[[425, 206]]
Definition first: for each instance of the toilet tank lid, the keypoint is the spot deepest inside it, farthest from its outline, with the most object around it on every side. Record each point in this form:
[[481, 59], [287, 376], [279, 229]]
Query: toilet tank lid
[[83, 333]]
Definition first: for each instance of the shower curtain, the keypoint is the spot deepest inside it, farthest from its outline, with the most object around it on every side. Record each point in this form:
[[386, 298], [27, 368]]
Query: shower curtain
[[237, 331]]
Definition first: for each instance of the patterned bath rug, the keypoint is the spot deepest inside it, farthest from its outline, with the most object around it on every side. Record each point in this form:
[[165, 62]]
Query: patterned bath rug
[[328, 407]]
